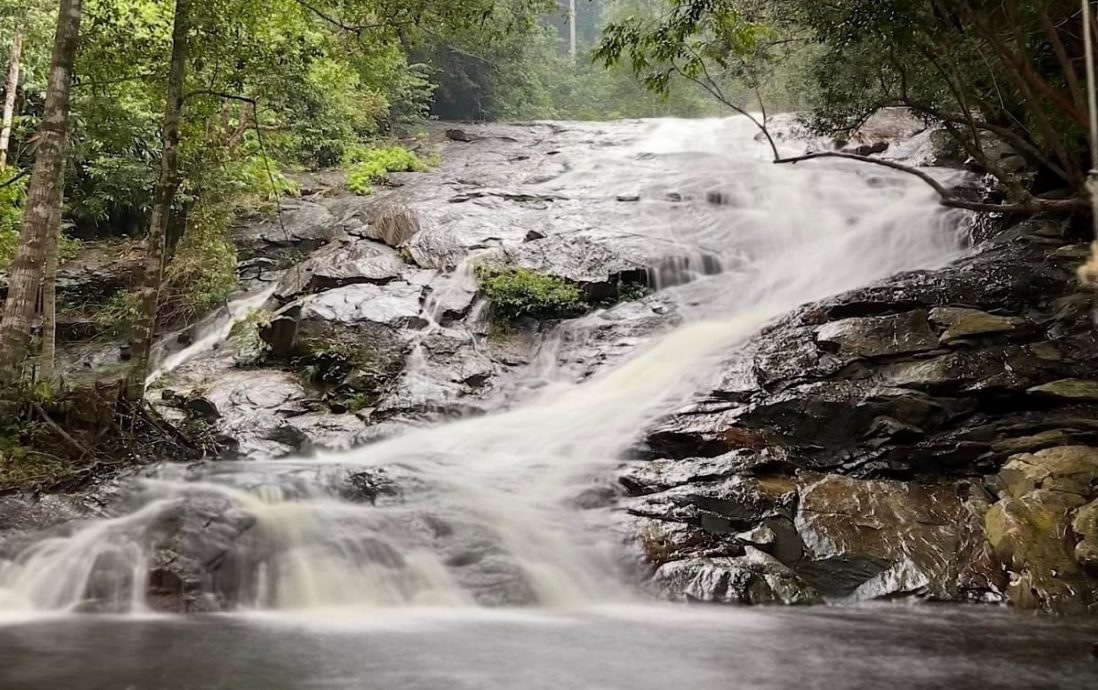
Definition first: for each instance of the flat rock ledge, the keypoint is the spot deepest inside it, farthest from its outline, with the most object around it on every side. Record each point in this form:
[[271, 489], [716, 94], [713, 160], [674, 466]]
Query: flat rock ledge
[[931, 436]]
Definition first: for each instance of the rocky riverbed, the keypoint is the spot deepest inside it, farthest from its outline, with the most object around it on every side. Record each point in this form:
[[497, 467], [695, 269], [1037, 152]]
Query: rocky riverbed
[[927, 435]]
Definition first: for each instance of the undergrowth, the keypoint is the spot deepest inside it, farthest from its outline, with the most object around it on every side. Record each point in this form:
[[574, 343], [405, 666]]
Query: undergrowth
[[368, 166]]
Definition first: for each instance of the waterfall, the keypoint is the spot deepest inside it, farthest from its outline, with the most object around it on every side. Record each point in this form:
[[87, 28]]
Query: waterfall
[[484, 508], [214, 331]]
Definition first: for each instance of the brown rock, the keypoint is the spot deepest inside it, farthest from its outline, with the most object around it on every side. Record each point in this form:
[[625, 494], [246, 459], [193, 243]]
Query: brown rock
[[879, 336]]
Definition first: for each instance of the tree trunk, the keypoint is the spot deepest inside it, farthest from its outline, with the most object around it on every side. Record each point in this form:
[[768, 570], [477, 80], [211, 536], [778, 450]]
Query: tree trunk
[[572, 28], [9, 97], [42, 196], [166, 187], [47, 360]]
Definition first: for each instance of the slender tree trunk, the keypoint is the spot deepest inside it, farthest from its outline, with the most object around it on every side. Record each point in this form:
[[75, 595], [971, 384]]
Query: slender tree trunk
[[47, 360], [10, 90], [572, 28], [42, 196], [166, 186]]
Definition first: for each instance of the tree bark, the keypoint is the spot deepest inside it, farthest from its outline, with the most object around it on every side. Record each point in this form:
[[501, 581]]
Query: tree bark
[[42, 196], [47, 359], [10, 90], [166, 187]]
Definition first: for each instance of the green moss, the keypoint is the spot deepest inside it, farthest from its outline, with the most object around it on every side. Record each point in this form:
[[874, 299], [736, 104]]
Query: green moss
[[518, 293], [371, 165]]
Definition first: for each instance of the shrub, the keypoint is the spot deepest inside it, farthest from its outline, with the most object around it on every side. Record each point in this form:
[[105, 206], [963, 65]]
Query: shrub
[[371, 165], [202, 273], [118, 316], [20, 428], [517, 293]]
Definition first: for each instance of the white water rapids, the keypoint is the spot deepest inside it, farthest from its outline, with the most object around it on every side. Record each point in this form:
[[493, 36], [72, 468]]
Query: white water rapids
[[485, 511]]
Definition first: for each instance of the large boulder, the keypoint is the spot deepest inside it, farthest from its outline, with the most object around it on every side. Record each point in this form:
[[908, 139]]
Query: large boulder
[[341, 263], [1042, 529]]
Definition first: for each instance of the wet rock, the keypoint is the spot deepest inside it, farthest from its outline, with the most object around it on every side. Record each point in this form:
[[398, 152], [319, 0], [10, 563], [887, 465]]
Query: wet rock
[[205, 556], [960, 324], [1085, 526], [581, 259], [340, 264], [461, 135], [394, 225], [754, 578], [1046, 497], [878, 336], [304, 225], [369, 486], [396, 305], [202, 407], [336, 432], [909, 539], [1068, 390], [358, 329], [253, 407]]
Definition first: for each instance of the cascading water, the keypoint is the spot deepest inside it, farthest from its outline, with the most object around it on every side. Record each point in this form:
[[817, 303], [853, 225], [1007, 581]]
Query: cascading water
[[214, 332], [483, 510]]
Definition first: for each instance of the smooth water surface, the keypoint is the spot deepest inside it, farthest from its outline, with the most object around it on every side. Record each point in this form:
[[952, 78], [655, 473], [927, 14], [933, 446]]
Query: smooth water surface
[[885, 646]]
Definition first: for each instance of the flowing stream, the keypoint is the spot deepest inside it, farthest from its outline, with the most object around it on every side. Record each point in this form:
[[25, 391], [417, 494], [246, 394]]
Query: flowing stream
[[483, 510]]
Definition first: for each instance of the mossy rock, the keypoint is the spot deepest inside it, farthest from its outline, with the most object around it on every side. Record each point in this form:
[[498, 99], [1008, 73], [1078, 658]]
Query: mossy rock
[[520, 293]]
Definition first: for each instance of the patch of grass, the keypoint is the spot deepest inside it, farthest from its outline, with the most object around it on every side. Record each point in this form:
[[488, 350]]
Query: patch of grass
[[352, 403], [369, 166], [518, 293]]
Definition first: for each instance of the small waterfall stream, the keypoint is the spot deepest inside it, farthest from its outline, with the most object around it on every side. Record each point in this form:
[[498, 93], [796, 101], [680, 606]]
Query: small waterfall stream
[[483, 510]]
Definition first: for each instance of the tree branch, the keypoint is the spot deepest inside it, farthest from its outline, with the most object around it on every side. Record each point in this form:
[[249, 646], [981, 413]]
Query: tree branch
[[15, 179], [1032, 205]]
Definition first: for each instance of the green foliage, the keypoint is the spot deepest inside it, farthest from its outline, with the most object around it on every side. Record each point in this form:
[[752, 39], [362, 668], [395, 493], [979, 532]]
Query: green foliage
[[11, 214], [257, 180], [328, 362], [20, 426], [202, 274], [371, 165], [715, 45], [119, 315], [631, 292], [518, 293], [353, 402]]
